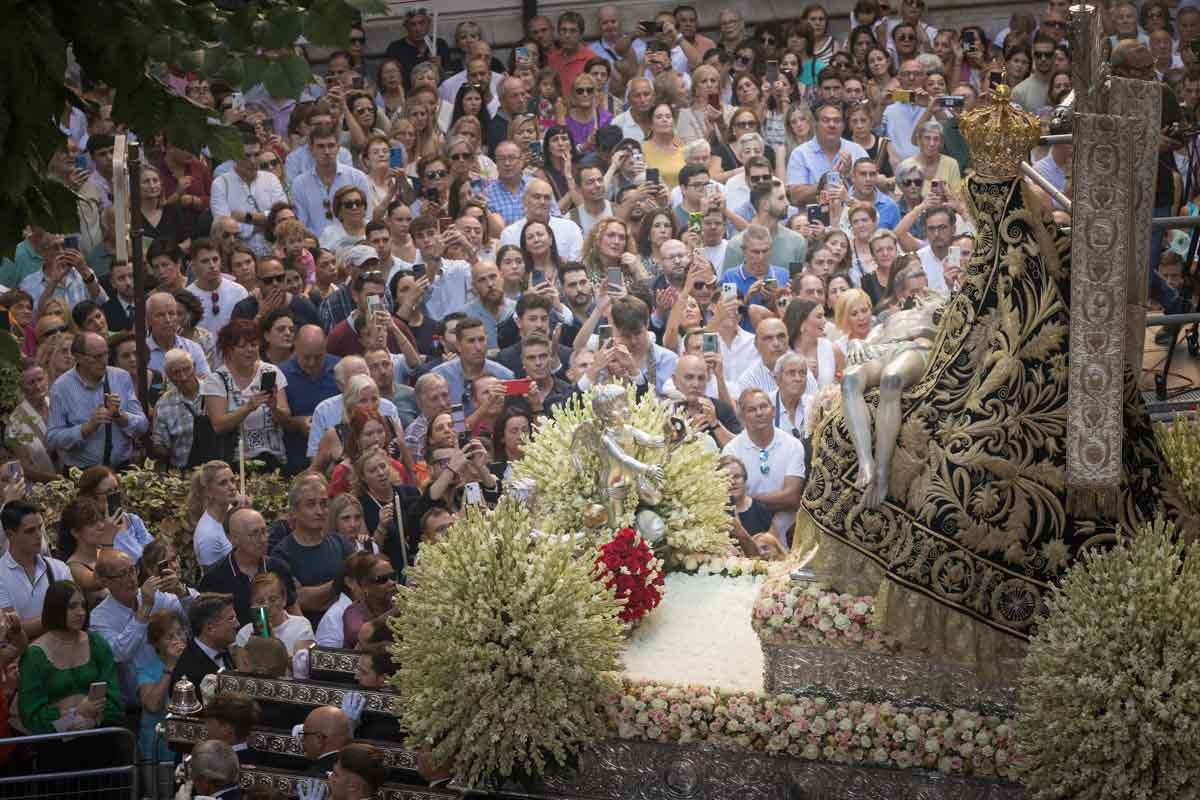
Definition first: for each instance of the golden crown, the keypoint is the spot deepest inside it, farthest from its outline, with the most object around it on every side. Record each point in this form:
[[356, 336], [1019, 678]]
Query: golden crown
[[1000, 135]]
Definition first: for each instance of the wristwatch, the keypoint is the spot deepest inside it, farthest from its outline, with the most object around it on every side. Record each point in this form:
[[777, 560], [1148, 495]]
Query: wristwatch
[[91, 278], [248, 218]]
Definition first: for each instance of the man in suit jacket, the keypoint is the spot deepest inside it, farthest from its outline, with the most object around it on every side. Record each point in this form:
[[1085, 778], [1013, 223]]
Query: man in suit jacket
[[326, 731], [215, 771], [118, 311], [215, 624]]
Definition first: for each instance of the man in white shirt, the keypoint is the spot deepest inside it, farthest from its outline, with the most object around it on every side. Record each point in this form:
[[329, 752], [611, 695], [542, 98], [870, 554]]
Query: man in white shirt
[[774, 460], [478, 71], [771, 341], [1055, 166], [26, 574], [595, 198], [449, 280], [122, 617], [939, 228], [217, 294], [247, 194], [634, 121], [900, 118], [567, 236], [826, 152]]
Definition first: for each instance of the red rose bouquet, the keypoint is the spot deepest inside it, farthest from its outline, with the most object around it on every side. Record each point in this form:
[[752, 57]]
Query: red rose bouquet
[[627, 564]]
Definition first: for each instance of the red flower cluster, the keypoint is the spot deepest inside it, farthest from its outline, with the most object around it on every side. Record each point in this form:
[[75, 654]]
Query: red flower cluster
[[628, 564]]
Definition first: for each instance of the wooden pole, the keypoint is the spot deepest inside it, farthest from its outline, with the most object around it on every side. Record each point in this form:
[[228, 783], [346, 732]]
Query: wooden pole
[[139, 277]]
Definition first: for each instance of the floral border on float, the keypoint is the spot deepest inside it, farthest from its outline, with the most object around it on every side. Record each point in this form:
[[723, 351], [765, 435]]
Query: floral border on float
[[960, 742], [808, 613]]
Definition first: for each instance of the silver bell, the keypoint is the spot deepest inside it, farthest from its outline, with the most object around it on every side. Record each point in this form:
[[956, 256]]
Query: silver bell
[[183, 702]]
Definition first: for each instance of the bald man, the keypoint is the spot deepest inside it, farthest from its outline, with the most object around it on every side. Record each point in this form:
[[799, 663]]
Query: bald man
[[709, 414], [162, 321], [537, 200], [121, 618], [326, 731]]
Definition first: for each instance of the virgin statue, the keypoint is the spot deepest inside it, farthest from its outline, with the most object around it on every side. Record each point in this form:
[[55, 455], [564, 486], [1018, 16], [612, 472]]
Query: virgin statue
[[969, 525]]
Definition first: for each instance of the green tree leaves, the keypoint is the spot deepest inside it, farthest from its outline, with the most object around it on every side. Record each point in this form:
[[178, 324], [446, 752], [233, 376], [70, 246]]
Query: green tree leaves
[[124, 44]]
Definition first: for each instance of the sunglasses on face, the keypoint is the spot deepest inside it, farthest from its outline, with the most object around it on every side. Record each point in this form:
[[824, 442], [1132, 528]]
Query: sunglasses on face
[[585, 90], [358, 40], [700, 286], [352, 204], [269, 164], [456, 157], [380, 580], [267, 280], [437, 174], [912, 182]]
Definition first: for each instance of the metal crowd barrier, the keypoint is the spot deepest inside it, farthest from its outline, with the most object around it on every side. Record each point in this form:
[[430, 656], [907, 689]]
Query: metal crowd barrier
[[116, 782]]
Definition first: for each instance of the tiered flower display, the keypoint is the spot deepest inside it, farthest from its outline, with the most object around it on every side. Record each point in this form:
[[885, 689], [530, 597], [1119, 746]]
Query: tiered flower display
[[627, 564]]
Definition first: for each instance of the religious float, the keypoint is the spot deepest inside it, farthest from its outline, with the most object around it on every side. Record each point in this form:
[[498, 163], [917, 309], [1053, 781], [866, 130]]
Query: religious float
[[598, 637]]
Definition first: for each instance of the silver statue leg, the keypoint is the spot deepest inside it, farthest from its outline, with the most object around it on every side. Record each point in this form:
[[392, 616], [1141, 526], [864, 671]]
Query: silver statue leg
[[855, 382], [897, 376]]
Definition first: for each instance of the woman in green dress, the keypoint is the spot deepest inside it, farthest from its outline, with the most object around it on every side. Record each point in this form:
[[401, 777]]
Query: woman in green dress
[[57, 672]]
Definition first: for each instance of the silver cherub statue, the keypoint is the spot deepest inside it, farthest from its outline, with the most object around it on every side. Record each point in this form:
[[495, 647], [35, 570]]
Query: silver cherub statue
[[614, 439]]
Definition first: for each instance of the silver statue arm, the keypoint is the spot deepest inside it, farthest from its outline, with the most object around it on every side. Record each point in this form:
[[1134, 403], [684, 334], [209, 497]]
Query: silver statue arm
[[621, 457], [647, 439]]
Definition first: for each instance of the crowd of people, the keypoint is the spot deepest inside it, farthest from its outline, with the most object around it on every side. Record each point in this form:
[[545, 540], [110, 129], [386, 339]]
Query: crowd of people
[[417, 261]]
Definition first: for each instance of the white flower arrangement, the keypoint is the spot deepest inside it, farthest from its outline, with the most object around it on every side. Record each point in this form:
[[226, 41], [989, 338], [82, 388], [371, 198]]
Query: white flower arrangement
[[695, 491], [960, 742], [505, 644], [1180, 443], [1111, 685], [727, 566]]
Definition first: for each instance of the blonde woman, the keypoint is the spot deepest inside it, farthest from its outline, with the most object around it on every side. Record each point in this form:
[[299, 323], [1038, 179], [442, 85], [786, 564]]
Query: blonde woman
[[428, 139], [799, 127], [706, 115], [852, 316], [468, 128], [212, 495], [55, 357]]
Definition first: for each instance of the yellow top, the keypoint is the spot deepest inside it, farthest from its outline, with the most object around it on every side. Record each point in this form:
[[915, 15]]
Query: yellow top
[[667, 162]]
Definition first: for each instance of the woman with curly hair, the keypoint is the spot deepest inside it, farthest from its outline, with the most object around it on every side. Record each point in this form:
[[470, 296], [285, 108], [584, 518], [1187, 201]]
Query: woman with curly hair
[[607, 247]]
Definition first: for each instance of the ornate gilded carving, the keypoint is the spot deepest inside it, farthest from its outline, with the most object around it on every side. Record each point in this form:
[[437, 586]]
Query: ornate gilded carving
[[1000, 135]]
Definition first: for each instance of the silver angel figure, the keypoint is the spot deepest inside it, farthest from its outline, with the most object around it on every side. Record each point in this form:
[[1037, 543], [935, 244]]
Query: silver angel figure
[[614, 438]]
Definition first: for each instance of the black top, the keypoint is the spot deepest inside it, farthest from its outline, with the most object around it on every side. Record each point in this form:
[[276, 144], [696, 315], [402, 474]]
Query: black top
[[226, 578], [756, 518]]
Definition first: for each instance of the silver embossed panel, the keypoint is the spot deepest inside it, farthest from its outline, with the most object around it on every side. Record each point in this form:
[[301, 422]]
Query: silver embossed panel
[[877, 677]]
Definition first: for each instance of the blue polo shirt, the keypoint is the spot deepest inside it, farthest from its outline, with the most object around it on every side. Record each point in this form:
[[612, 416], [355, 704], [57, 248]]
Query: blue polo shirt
[[745, 280], [303, 394]]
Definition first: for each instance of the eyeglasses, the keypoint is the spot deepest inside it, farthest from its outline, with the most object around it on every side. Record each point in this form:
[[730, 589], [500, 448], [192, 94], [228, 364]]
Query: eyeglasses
[[700, 286], [1043, 54], [374, 276], [358, 40], [912, 182], [267, 280], [745, 123], [457, 157], [760, 178], [436, 174], [584, 90], [380, 580], [352, 204], [269, 164]]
